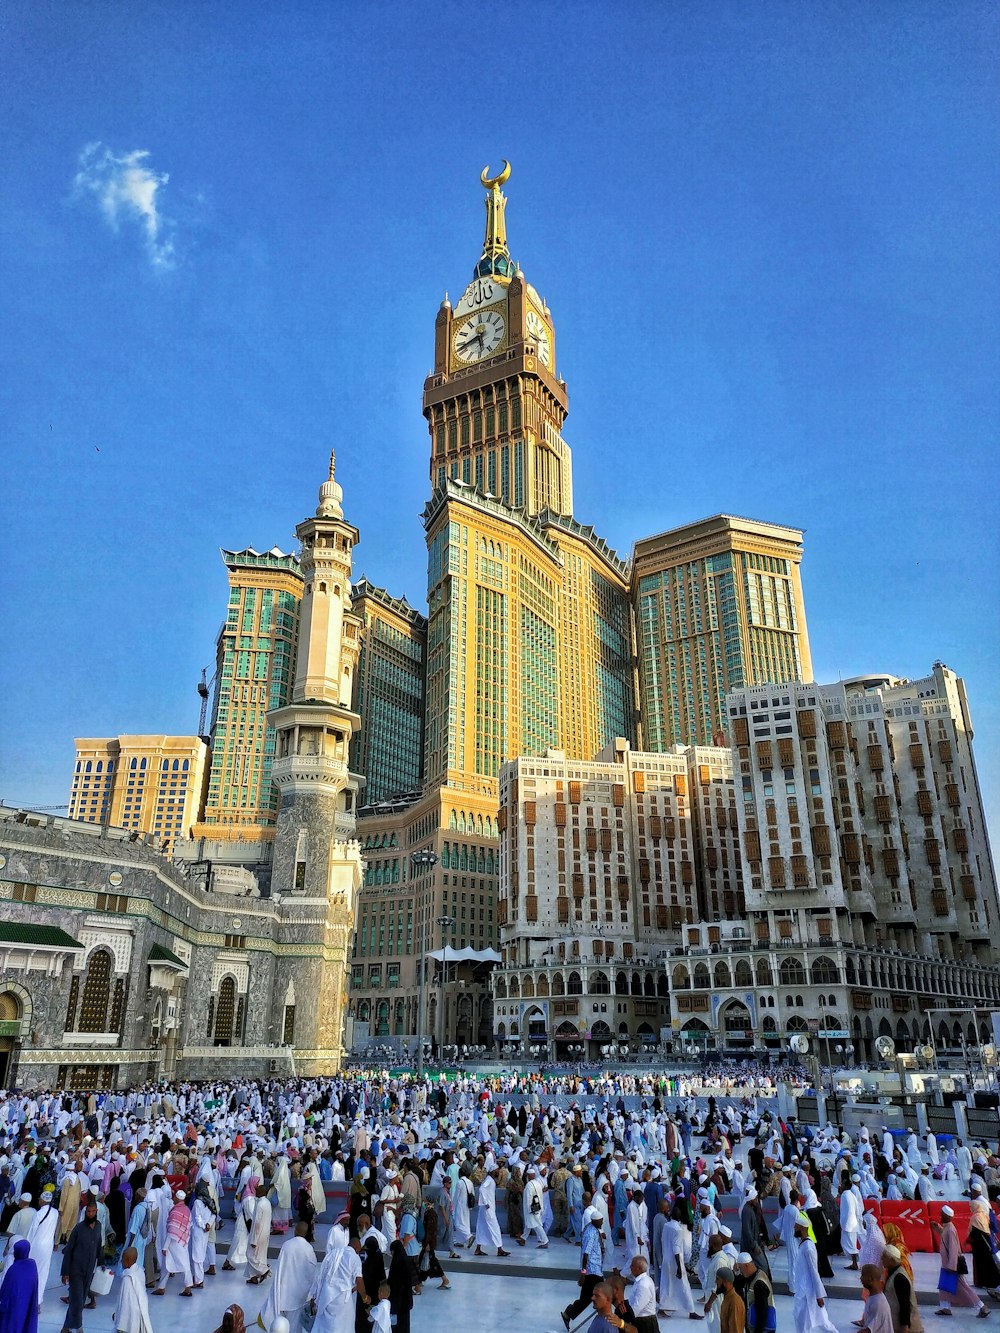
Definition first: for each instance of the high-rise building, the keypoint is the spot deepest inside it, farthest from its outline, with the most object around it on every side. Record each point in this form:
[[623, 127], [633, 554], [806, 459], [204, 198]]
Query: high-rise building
[[603, 864], [387, 749], [717, 605], [148, 784], [870, 890], [529, 641], [255, 657]]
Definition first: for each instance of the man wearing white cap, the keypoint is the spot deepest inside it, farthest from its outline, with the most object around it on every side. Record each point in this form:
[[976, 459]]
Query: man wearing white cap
[[42, 1237], [851, 1211], [533, 1206], [709, 1228], [809, 1307], [591, 1265]]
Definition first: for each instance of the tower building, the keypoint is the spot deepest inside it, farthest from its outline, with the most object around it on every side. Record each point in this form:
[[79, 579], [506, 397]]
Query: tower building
[[387, 749], [718, 606], [317, 860], [255, 659]]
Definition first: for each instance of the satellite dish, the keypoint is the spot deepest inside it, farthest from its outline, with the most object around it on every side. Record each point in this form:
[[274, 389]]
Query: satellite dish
[[928, 1053], [799, 1044], [885, 1046]]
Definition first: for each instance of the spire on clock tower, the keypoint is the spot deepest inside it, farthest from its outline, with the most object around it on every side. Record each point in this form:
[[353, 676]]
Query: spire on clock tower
[[495, 260]]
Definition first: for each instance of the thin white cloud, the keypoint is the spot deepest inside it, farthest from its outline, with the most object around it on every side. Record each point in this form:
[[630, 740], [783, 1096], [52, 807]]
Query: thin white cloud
[[126, 190]]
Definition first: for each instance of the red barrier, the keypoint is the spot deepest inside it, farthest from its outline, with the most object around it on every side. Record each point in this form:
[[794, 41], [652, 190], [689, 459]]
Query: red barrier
[[913, 1219], [962, 1209]]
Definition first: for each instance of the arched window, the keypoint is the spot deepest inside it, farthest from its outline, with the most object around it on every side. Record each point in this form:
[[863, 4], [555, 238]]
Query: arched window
[[743, 975], [500, 988], [792, 972], [542, 987], [528, 989], [225, 1013], [574, 985], [599, 984], [702, 981], [558, 985], [722, 975], [824, 972], [95, 1010], [621, 983]]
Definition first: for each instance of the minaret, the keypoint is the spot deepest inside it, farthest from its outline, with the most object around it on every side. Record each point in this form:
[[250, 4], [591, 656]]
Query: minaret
[[316, 858]]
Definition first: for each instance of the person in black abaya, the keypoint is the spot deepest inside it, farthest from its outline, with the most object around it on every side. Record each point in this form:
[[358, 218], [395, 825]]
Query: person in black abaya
[[400, 1286], [372, 1275]]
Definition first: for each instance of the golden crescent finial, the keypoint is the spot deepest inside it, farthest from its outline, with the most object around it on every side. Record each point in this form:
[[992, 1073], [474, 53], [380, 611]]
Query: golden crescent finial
[[494, 182]]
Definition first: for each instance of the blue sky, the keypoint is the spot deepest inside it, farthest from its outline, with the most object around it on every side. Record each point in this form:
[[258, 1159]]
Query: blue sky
[[767, 233]]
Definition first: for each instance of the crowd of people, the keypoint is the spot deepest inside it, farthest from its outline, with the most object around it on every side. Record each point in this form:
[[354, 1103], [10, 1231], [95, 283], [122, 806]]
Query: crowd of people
[[129, 1191]]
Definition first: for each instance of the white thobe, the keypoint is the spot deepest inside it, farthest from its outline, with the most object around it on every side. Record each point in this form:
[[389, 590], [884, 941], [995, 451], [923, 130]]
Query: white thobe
[[807, 1315], [487, 1226], [675, 1289], [293, 1279], [851, 1213], [42, 1239], [132, 1314]]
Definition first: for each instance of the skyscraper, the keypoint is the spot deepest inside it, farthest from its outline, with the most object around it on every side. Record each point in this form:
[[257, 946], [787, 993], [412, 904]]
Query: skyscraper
[[255, 657], [149, 784], [387, 749], [717, 605]]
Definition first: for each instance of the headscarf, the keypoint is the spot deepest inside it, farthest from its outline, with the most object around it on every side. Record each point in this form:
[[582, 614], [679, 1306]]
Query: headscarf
[[237, 1320], [19, 1291], [894, 1236]]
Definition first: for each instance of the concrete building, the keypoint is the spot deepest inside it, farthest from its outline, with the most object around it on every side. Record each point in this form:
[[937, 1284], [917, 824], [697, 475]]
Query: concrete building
[[426, 920], [870, 890], [255, 659], [387, 748], [149, 784], [718, 605], [603, 865], [119, 965]]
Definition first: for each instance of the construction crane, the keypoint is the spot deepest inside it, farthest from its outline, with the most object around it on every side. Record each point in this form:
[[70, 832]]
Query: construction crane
[[33, 809], [204, 688]]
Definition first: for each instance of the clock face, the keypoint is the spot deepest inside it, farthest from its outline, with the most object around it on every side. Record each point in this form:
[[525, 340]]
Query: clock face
[[479, 336], [540, 336]]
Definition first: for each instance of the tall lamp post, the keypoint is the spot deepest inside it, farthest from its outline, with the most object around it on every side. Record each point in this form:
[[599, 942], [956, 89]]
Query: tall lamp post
[[423, 858], [444, 922]]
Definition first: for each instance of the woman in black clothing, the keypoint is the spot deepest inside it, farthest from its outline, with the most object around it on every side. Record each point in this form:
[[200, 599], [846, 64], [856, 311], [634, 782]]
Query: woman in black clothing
[[372, 1275], [400, 1287], [115, 1202]]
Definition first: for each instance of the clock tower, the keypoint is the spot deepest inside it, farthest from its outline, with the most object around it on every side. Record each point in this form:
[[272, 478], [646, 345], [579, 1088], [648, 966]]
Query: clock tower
[[494, 404]]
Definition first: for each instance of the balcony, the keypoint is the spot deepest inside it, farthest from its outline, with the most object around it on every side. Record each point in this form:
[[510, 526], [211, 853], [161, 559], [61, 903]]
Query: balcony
[[320, 769]]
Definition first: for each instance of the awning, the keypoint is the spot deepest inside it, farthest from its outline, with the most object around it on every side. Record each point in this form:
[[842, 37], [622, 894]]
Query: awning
[[449, 955], [159, 954], [43, 937]]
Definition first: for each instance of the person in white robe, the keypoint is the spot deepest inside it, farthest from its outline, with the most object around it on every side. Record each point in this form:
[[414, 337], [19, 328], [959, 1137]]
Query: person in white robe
[[932, 1149], [294, 1274], [873, 1240], [675, 1290], [42, 1239], [636, 1228], [718, 1258], [311, 1176], [335, 1289], [852, 1210], [132, 1312], [177, 1258], [809, 1312], [461, 1219], [17, 1229], [202, 1224], [237, 1255], [260, 1235], [487, 1223], [709, 1228], [533, 1206], [281, 1188]]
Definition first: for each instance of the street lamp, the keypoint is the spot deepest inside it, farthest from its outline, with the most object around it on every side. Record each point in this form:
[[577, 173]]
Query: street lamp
[[444, 922], [429, 858]]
